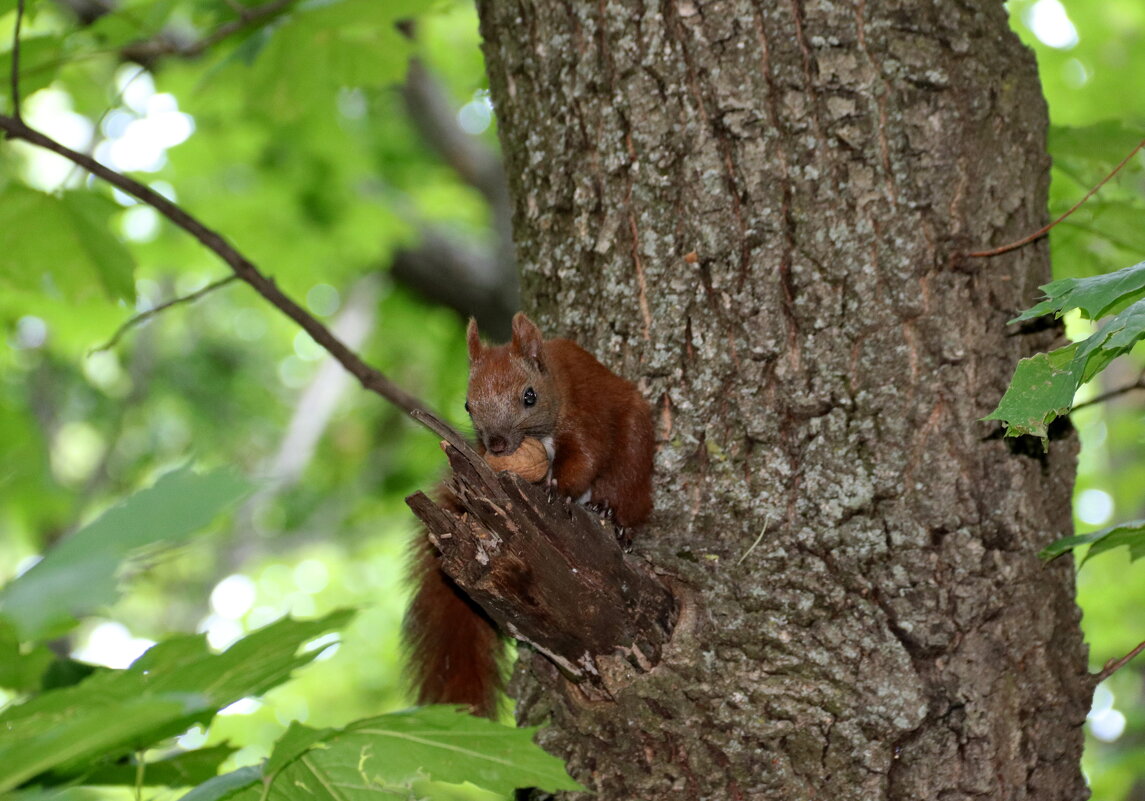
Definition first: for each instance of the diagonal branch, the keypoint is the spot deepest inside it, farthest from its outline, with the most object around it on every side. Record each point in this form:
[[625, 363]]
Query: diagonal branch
[[242, 267]]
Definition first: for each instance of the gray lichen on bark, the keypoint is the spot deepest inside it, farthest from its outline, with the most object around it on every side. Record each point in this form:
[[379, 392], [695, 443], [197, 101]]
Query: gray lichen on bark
[[757, 211]]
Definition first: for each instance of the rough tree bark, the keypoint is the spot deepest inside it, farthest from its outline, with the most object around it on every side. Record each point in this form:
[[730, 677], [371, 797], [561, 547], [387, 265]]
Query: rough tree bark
[[757, 210]]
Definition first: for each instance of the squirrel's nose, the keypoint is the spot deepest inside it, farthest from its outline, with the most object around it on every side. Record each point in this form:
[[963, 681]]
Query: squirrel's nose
[[497, 444]]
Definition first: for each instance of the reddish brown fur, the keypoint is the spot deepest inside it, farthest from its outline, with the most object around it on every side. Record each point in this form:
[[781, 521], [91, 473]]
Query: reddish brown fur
[[604, 438], [601, 428], [600, 423], [453, 650]]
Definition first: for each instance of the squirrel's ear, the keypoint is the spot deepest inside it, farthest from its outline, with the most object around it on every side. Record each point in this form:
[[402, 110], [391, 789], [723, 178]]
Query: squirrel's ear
[[473, 340], [527, 339]]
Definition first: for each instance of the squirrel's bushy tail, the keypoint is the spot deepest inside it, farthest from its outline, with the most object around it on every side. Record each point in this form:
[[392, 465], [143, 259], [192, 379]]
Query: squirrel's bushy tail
[[453, 651]]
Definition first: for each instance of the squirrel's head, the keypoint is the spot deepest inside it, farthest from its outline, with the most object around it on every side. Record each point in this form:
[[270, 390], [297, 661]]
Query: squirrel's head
[[511, 393]]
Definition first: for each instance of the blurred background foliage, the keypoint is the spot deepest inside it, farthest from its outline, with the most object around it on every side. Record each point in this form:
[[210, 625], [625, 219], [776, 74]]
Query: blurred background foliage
[[1091, 59], [300, 131], [293, 136]]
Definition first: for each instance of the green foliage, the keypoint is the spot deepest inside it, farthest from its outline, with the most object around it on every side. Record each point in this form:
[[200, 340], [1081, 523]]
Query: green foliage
[[1042, 389], [1095, 297], [296, 146], [321, 200], [400, 755], [177, 683], [303, 155], [184, 769], [1097, 106], [99, 728], [63, 245], [1044, 385], [1130, 535], [79, 575], [350, 43]]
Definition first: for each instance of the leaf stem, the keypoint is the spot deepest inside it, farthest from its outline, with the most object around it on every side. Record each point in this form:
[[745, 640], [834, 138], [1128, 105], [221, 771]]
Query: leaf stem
[[140, 767], [981, 254], [1113, 393]]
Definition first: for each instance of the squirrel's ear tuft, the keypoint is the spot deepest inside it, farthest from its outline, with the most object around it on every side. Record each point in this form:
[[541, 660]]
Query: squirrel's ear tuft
[[473, 340], [527, 339]]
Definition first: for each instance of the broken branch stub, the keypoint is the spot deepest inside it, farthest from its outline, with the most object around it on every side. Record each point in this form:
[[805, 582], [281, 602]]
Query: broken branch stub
[[547, 571]]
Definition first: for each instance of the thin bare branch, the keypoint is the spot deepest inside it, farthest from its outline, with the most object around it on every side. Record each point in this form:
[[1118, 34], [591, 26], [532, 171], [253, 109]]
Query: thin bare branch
[[146, 51], [1113, 393], [16, 60], [981, 254], [1114, 665], [143, 317], [246, 271], [247, 17]]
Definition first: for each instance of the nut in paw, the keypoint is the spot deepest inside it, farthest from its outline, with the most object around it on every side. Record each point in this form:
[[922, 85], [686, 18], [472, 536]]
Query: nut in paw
[[530, 461]]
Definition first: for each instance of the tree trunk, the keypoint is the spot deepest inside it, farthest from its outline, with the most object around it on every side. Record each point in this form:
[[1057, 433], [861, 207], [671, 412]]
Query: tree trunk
[[757, 210]]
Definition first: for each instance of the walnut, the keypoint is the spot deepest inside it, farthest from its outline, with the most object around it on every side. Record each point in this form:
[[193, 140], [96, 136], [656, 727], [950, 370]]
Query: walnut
[[530, 461]]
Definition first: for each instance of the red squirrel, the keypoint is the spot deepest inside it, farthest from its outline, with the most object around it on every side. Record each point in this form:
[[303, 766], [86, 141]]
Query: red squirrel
[[597, 430]]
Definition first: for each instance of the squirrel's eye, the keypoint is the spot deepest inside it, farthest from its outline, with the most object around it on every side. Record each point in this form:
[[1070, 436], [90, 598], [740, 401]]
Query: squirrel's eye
[[530, 397], [467, 407]]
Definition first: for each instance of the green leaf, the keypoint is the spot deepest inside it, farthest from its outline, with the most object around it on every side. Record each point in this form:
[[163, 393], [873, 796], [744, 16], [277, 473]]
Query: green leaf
[[34, 744], [251, 666], [1041, 390], [54, 794], [297, 740], [40, 60], [1043, 386], [390, 754], [445, 791], [89, 215], [1131, 535], [128, 22], [175, 684], [1095, 296], [455, 747], [63, 245], [186, 769], [226, 786], [1105, 143], [18, 670], [1116, 337], [1119, 222], [78, 576], [66, 672], [351, 43]]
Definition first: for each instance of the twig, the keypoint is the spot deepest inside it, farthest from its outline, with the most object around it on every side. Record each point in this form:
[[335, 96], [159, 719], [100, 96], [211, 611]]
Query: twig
[[143, 317], [75, 168], [246, 271], [1114, 665], [146, 50], [446, 432], [1113, 393], [766, 520], [247, 16], [16, 60], [1045, 229]]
